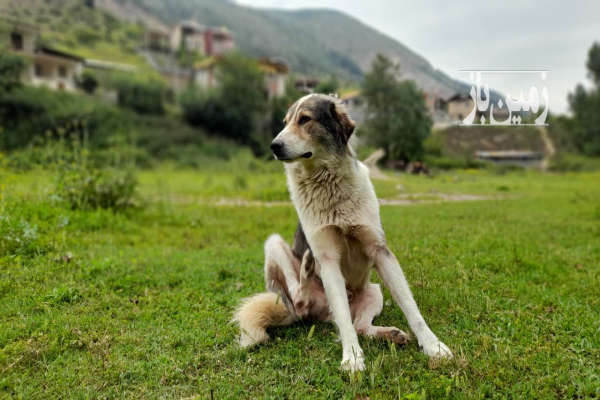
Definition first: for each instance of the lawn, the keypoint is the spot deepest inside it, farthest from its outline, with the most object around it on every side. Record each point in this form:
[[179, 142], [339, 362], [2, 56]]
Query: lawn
[[96, 304]]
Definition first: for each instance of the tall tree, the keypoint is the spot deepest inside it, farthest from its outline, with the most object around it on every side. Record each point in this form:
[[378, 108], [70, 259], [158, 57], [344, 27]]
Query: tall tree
[[397, 118], [585, 105], [242, 93]]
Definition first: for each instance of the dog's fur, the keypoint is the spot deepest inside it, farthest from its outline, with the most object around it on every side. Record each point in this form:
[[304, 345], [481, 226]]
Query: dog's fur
[[325, 275]]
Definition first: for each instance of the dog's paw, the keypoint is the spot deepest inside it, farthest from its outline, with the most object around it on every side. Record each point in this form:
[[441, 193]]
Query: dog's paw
[[353, 362], [436, 349]]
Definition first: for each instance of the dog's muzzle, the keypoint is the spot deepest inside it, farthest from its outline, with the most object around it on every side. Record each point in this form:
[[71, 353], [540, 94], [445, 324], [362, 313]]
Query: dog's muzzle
[[278, 150]]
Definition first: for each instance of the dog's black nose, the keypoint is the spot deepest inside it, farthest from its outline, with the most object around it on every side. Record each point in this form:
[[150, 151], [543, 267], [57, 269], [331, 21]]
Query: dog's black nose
[[277, 148]]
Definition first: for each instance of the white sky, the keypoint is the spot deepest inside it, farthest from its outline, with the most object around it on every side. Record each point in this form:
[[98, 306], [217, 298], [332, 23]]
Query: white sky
[[454, 35]]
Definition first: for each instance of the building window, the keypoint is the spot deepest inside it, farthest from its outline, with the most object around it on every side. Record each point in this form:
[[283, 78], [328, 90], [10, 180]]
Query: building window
[[16, 40], [62, 71], [39, 70]]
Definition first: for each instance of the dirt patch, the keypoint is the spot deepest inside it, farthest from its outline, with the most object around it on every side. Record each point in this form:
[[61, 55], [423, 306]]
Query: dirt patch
[[401, 200], [433, 198]]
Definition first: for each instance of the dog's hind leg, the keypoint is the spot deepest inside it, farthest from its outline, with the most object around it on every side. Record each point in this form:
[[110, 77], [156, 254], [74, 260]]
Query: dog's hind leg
[[366, 306], [274, 308], [282, 270]]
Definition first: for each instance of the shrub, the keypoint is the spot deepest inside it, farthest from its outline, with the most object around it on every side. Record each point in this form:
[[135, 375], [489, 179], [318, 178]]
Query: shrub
[[446, 163], [11, 67], [88, 82], [564, 162], [144, 97], [85, 187], [28, 113]]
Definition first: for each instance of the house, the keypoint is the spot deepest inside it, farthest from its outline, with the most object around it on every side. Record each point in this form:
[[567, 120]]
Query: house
[[55, 69], [188, 35], [356, 105], [435, 102], [218, 41], [193, 37], [157, 39], [48, 67], [276, 73], [306, 84], [459, 106]]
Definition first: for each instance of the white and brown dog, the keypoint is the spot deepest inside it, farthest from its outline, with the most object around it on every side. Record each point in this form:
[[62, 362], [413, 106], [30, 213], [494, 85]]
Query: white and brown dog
[[325, 275]]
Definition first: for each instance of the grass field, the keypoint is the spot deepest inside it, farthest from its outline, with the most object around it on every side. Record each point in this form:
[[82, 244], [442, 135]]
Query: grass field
[[95, 304]]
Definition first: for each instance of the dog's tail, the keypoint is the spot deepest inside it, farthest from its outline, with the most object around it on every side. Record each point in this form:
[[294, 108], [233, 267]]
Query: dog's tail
[[258, 312]]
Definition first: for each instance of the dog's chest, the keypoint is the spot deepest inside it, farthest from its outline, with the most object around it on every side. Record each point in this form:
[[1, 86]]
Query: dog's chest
[[327, 199]]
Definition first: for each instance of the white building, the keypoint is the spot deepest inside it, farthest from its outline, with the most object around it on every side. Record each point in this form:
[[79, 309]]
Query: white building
[[276, 75], [47, 67]]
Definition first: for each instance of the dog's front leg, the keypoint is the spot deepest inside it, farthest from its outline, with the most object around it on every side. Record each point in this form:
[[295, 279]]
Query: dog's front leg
[[327, 246], [389, 270]]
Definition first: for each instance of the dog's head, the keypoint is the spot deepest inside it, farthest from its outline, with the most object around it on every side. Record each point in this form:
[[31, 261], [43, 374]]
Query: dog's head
[[316, 127]]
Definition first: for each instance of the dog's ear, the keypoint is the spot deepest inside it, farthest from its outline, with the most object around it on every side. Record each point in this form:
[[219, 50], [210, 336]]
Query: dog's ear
[[341, 116]]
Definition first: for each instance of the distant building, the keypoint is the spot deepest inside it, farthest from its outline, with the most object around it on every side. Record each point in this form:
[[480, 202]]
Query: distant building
[[276, 74], [188, 35], [48, 67], [306, 84], [218, 41], [192, 36], [157, 39], [356, 105], [459, 106]]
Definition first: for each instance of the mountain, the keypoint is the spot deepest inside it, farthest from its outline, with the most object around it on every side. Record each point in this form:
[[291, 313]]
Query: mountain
[[312, 41]]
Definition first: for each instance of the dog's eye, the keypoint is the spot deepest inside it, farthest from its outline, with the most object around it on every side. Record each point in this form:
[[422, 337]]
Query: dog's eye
[[303, 119]]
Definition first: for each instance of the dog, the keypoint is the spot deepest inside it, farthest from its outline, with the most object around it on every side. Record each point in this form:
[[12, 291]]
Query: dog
[[339, 238]]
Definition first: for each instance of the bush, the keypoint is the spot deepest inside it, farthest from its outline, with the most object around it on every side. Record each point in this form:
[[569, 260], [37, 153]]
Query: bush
[[28, 113], [446, 163], [144, 97], [88, 82], [85, 187], [564, 162], [11, 67]]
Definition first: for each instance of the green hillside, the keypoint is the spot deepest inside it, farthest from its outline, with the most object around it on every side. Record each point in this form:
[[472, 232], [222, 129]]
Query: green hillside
[[71, 26]]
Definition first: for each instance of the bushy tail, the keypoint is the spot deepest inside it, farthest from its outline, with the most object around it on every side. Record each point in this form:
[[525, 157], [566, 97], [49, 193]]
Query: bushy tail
[[258, 312]]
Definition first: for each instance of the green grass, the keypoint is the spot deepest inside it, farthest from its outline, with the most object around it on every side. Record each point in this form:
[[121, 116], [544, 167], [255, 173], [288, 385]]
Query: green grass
[[95, 304]]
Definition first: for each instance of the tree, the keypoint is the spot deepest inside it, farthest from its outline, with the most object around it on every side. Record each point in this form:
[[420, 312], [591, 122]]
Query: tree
[[237, 108], [585, 105], [11, 68], [328, 86], [397, 118], [593, 63]]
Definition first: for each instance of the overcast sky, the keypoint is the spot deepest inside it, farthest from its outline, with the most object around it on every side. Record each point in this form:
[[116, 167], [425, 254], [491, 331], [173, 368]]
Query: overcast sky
[[455, 35]]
